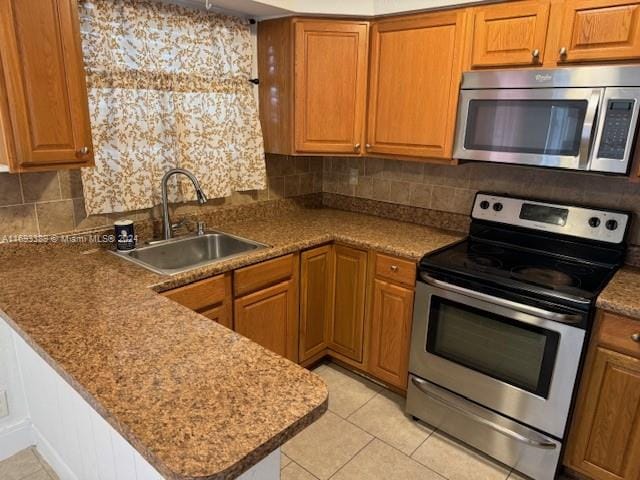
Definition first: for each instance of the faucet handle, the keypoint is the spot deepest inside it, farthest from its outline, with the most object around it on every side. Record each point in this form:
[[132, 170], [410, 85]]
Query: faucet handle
[[201, 227]]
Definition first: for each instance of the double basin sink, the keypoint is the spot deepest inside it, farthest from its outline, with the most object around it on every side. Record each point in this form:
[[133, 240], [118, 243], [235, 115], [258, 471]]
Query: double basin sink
[[179, 255]]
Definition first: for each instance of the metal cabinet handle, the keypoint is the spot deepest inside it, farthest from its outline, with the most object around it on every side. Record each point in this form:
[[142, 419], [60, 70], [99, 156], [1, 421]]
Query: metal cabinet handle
[[539, 443], [535, 54], [356, 147], [635, 337], [394, 268], [563, 53], [83, 151], [367, 146]]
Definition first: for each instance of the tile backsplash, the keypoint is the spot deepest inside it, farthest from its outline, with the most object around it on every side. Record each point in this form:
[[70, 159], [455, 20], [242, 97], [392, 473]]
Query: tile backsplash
[[451, 188], [52, 202]]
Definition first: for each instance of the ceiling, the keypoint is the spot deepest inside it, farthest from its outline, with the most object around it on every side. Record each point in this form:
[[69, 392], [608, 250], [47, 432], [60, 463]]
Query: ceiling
[[262, 9]]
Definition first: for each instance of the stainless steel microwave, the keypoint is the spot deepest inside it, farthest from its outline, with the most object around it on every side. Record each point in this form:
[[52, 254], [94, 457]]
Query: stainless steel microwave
[[582, 118]]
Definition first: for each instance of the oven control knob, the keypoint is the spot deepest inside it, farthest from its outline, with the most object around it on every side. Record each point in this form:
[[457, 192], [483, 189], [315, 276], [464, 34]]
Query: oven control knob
[[497, 207], [594, 222], [611, 225], [484, 204]]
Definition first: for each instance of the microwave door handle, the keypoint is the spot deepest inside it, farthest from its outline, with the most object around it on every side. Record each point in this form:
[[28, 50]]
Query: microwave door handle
[[586, 139]]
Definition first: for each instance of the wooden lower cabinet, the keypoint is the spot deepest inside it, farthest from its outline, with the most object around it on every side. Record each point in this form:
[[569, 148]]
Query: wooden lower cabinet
[[316, 301], [266, 304], [210, 297], [346, 332], [269, 318], [391, 318], [604, 442]]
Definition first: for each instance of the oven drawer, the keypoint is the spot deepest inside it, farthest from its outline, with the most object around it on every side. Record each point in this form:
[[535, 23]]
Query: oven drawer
[[509, 442]]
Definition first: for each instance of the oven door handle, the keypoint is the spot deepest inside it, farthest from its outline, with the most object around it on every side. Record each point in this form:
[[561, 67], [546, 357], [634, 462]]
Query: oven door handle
[[540, 442], [586, 138], [568, 318]]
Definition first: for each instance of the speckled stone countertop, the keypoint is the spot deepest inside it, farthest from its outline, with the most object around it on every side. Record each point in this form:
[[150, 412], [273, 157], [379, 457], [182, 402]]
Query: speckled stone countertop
[[622, 294], [197, 400]]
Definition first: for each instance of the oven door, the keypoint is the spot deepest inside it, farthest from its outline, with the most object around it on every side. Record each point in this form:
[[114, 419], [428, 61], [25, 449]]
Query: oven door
[[551, 127], [519, 364]]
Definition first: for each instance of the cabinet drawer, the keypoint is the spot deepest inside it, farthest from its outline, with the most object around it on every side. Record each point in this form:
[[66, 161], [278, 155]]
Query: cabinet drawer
[[616, 333], [200, 295], [255, 277], [396, 270]]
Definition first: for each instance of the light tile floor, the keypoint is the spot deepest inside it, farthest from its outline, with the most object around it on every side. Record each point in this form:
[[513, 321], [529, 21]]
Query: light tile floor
[[366, 435], [26, 465]]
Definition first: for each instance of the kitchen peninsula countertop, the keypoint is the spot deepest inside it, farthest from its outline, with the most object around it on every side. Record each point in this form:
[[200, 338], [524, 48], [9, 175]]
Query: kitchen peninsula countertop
[[622, 294], [197, 400]]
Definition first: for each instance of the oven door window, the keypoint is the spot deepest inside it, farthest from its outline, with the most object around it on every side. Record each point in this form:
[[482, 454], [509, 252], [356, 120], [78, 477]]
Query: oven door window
[[517, 353], [542, 127]]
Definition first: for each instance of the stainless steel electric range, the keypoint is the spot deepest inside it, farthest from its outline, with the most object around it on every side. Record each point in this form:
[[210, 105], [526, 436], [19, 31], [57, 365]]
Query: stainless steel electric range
[[501, 321]]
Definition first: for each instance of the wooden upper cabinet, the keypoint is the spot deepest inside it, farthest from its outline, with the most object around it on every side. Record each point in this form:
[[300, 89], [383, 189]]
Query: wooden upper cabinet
[[44, 83], [316, 300], [599, 31], [313, 85], [414, 81], [330, 86], [346, 333], [508, 34]]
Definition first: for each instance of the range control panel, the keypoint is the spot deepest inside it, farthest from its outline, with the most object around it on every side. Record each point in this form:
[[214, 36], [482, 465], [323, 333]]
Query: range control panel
[[602, 225]]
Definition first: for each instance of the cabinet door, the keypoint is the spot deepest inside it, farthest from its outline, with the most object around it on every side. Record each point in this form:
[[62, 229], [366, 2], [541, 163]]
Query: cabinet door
[[45, 82], [269, 317], [330, 85], [509, 34], [316, 300], [415, 77], [347, 325], [600, 30], [391, 318], [605, 440]]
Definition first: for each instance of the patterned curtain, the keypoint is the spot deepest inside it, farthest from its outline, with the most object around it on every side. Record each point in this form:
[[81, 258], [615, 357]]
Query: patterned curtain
[[168, 87]]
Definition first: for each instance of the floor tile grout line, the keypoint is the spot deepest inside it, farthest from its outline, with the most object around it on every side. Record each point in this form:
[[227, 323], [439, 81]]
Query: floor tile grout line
[[306, 470], [354, 456], [422, 443], [413, 459], [360, 408]]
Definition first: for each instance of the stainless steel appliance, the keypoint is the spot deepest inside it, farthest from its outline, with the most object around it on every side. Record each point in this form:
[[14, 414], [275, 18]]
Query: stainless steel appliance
[[581, 118], [500, 324]]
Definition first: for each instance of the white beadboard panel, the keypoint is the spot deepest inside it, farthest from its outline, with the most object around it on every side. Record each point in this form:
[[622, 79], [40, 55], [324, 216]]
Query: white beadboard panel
[[74, 439], [14, 438], [267, 469], [11, 382]]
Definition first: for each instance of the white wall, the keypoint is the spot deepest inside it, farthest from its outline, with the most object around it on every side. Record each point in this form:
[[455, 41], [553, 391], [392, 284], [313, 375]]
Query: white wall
[[15, 428]]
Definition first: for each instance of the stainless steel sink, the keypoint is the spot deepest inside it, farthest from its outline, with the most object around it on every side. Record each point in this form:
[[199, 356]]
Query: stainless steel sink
[[181, 254]]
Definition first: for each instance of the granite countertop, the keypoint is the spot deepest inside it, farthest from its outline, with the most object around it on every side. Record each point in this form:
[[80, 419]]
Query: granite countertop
[[197, 400], [622, 294]]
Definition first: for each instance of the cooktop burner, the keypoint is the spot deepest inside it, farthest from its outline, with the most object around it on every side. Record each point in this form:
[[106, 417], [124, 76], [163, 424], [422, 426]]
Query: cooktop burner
[[545, 276], [521, 268]]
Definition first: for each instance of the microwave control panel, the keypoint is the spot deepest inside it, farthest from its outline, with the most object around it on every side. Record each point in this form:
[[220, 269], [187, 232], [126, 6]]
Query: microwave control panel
[[616, 129]]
